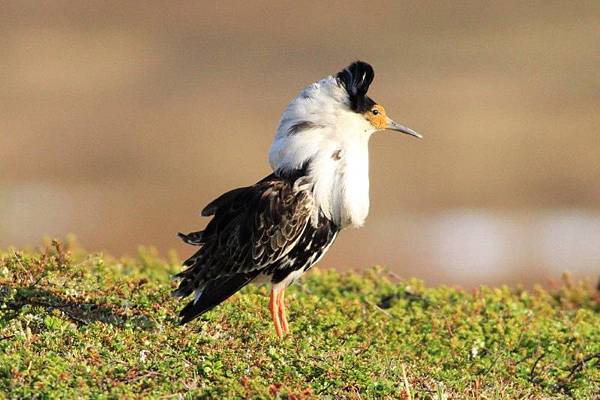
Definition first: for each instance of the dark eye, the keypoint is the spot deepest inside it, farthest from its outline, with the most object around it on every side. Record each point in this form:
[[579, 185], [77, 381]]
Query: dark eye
[[375, 111]]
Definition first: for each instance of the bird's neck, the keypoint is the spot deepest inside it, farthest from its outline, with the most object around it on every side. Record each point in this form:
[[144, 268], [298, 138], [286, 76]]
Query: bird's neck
[[320, 132]]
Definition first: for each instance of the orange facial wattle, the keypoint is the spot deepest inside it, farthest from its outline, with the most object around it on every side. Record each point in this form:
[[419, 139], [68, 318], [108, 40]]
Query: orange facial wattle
[[376, 116]]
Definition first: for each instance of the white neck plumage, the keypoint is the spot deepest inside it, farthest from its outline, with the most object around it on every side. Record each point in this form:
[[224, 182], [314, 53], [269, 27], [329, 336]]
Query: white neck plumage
[[319, 131]]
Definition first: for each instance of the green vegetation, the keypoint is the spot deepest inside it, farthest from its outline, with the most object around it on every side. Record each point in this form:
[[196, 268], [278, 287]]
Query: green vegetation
[[85, 325]]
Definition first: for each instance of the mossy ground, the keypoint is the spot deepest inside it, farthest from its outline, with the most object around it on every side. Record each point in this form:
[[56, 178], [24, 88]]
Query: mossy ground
[[84, 325]]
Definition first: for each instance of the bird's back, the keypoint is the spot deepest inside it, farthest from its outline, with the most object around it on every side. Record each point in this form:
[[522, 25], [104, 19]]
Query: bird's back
[[263, 229]]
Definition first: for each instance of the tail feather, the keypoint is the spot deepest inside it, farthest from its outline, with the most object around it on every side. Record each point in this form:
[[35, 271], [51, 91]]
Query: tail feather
[[213, 294], [193, 238]]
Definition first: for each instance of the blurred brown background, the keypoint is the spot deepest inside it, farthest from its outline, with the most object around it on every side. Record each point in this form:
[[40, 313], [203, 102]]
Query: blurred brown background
[[120, 120]]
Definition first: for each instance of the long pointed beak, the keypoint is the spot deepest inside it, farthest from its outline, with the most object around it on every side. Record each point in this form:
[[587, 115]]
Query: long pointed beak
[[394, 126]]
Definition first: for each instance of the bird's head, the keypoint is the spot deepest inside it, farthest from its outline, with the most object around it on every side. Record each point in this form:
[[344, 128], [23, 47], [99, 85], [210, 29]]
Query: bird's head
[[331, 114], [356, 79]]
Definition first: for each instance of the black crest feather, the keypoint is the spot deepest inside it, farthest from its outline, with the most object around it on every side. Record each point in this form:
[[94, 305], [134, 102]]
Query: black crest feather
[[356, 78]]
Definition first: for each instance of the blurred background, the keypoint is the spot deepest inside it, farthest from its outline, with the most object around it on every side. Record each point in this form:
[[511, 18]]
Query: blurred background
[[120, 120]]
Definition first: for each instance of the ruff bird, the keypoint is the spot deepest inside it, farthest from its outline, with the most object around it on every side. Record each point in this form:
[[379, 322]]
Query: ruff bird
[[276, 229]]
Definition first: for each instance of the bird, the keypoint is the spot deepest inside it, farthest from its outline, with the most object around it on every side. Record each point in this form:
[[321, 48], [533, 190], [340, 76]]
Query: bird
[[276, 229]]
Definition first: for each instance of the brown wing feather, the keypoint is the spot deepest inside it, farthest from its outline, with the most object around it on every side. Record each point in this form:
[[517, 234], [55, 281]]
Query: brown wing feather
[[284, 210], [252, 228]]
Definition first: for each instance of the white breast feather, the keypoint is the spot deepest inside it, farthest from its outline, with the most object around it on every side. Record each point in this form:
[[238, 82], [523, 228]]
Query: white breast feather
[[341, 186]]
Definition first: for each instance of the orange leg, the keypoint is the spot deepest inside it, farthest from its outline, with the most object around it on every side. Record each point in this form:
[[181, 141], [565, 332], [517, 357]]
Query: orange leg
[[282, 313], [274, 307]]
